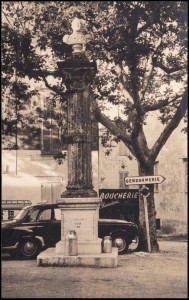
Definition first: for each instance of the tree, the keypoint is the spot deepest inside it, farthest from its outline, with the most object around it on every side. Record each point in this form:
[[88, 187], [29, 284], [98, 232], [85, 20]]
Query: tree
[[141, 51]]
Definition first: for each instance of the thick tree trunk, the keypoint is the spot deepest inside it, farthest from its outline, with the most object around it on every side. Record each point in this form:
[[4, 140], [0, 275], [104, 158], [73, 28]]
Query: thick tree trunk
[[143, 245]]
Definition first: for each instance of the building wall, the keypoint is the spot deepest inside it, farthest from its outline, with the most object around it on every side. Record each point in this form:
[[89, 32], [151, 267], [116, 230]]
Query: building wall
[[171, 200], [171, 194], [29, 176], [112, 165]]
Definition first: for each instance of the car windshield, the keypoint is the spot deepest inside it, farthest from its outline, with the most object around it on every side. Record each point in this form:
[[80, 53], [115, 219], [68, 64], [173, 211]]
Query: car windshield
[[21, 214], [27, 214]]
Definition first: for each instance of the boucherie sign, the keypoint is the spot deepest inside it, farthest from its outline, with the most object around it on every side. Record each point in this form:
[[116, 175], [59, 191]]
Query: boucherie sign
[[118, 196]]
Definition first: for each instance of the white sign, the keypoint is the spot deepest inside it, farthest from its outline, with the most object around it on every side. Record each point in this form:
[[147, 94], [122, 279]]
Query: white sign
[[144, 179], [82, 221]]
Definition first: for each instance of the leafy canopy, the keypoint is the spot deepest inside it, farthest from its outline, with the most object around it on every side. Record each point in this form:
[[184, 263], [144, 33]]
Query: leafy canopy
[[141, 52]]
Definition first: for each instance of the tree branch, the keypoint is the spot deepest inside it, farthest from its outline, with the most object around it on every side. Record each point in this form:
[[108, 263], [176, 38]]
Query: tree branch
[[53, 88], [115, 130], [44, 73], [166, 69], [123, 87], [148, 73], [7, 19], [20, 21], [139, 142], [151, 20], [179, 114], [159, 105], [144, 27]]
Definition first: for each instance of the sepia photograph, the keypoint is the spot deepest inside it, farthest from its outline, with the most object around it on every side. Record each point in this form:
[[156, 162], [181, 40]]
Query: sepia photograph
[[94, 189]]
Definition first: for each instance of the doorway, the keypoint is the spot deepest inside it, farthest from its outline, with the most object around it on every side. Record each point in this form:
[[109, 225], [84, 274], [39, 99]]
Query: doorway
[[50, 191]]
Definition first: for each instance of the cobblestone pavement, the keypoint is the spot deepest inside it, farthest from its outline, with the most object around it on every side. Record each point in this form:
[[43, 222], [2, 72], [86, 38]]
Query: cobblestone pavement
[[138, 275]]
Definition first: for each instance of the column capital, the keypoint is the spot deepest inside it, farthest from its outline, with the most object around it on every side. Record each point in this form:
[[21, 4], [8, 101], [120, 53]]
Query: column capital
[[77, 74]]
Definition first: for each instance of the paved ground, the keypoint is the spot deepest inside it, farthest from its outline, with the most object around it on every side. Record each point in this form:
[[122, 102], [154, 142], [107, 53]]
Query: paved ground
[[138, 275]]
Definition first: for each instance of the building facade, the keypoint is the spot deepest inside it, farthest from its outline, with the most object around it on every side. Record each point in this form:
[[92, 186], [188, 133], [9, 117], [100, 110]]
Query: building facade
[[34, 174]]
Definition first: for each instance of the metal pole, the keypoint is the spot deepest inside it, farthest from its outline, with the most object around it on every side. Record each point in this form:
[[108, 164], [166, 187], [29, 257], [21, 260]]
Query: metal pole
[[147, 223], [16, 137]]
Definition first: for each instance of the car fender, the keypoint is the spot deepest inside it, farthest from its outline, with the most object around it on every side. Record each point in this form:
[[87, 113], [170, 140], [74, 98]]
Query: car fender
[[28, 233], [32, 236], [41, 239]]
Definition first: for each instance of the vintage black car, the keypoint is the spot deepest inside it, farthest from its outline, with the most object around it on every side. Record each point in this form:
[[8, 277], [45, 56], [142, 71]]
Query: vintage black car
[[37, 227]]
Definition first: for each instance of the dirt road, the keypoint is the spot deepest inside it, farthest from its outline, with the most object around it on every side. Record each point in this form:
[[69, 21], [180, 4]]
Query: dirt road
[[138, 275]]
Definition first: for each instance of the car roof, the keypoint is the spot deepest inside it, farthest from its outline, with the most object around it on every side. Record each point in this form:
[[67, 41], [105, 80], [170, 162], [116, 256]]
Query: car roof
[[114, 221], [55, 205], [42, 204]]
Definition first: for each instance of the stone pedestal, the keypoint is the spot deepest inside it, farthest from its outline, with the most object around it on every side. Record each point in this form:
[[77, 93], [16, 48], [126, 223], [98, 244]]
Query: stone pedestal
[[50, 258], [81, 215]]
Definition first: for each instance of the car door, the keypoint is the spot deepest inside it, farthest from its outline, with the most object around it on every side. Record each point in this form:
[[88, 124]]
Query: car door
[[8, 235], [48, 226]]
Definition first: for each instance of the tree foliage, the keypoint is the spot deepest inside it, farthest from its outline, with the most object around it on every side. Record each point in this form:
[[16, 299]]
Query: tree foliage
[[141, 52]]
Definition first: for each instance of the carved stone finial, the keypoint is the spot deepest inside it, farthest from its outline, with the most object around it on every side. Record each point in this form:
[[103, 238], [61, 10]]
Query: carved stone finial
[[78, 25], [78, 38]]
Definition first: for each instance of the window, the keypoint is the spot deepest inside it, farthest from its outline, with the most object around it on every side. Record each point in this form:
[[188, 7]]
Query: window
[[94, 135], [45, 215], [50, 190], [158, 224], [156, 186], [122, 176], [32, 215], [51, 143], [10, 214], [185, 160], [51, 114], [5, 169], [122, 149], [57, 213]]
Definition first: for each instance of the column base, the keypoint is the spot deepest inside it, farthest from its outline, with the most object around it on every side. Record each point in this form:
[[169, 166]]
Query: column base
[[79, 193]]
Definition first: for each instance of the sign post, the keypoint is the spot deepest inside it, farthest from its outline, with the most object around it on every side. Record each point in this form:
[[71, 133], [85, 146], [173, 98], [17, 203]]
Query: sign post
[[144, 191]]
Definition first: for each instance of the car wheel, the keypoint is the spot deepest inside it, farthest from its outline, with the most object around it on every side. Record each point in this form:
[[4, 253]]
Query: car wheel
[[121, 243], [29, 248]]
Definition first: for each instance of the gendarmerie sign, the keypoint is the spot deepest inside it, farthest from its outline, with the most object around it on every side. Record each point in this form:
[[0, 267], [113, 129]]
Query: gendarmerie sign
[[144, 179], [118, 196]]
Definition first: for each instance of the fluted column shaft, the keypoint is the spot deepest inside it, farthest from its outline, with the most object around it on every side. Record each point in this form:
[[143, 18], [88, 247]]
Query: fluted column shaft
[[78, 75]]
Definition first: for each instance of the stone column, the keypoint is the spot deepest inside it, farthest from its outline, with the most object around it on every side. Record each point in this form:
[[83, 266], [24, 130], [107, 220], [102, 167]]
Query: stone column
[[79, 203], [78, 75]]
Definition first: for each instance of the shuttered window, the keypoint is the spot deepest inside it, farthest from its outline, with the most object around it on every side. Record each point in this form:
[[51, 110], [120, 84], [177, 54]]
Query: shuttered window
[[51, 143], [95, 135], [122, 149], [186, 174], [122, 176], [156, 186], [50, 191]]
